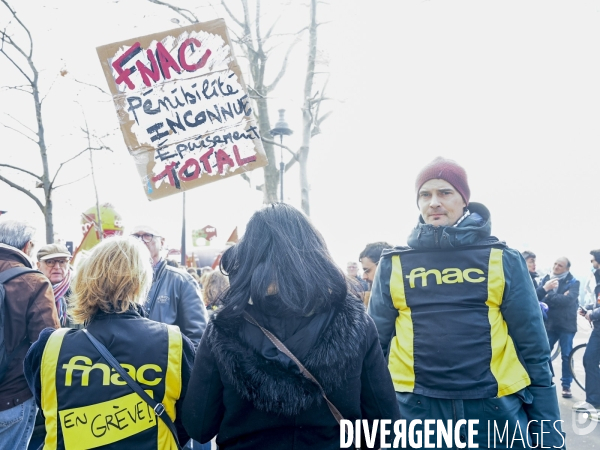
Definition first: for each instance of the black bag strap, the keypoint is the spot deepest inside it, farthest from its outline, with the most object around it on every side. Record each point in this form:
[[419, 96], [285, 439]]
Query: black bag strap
[[9, 274], [158, 280], [303, 370], [159, 408]]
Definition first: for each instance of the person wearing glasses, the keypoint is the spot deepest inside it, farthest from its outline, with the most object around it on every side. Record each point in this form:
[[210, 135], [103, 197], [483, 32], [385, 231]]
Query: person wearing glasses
[[174, 297], [53, 261]]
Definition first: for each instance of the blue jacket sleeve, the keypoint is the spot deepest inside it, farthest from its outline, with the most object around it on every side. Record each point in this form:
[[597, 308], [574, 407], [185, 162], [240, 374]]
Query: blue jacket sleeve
[[568, 299], [191, 313], [521, 312], [595, 315], [381, 307]]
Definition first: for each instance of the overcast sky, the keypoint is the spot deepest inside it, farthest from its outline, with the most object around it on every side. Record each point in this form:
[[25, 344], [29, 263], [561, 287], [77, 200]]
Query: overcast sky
[[508, 89]]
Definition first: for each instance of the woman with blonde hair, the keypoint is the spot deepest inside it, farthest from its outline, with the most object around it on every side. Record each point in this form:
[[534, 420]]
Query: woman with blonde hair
[[90, 402]]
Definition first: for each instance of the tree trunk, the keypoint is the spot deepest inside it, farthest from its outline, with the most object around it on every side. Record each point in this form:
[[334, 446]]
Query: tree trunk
[[307, 113], [46, 183], [49, 217], [270, 171], [304, 186]]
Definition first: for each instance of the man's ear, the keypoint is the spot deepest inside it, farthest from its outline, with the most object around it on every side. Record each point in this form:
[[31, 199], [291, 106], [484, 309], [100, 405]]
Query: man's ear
[[39, 265], [28, 248]]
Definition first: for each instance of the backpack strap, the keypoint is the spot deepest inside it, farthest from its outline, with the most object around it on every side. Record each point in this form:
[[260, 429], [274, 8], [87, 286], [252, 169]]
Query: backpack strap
[[6, 276], [9, 274]]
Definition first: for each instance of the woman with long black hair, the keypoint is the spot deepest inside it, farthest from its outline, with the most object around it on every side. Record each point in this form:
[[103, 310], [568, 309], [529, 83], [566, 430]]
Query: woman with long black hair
[[250, 393]]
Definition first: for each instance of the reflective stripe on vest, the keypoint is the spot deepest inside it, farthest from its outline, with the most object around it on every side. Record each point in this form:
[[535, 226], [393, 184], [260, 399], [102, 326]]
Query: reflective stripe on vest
[[173, 387], [505, 365], [48, 382], [402, 358], [75, 437]]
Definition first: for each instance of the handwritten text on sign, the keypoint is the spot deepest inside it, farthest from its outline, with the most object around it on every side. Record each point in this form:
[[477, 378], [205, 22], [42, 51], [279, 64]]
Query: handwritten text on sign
[[180, 94], [107, 422]]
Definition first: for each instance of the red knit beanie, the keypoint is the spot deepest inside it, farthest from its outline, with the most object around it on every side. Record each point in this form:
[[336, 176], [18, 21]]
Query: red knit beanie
[[448, 170]]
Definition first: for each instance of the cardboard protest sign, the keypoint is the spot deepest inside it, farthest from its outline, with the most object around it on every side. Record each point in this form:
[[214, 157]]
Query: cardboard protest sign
[[183, 107]]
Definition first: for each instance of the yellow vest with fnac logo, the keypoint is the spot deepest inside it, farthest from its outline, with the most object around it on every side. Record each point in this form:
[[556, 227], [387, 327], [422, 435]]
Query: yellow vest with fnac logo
[[85, 401], [451, 338]]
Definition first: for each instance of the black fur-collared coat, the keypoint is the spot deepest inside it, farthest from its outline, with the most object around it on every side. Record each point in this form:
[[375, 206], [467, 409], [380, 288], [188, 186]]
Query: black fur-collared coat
[[252, 396]]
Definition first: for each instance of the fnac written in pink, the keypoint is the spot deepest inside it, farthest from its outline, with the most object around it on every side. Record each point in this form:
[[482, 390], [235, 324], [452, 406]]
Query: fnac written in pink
[[183, 107]]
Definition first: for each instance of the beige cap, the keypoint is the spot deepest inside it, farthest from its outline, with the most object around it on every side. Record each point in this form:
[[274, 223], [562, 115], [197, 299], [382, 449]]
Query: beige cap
[[146, 229], [53, 251]]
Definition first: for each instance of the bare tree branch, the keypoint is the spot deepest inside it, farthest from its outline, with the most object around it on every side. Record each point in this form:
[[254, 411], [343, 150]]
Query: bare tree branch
[[70, 182], [278, 144], [20, 132], [19, 122], [317, 126], [270, 30], [49, 89], [296, 34], [17, 88], [3, 34], [181, 11], [292, 161], [24, 191], [94, 86], [259, 40], [14, 14], [71, 159], [317, 121], [22, 170], [283, 65], [257, 93], [235, 19], [246, 177]]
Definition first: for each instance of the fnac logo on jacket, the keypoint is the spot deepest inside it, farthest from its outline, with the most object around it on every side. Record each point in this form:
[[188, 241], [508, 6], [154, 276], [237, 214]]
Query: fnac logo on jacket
[[107, 377], [450, 275]]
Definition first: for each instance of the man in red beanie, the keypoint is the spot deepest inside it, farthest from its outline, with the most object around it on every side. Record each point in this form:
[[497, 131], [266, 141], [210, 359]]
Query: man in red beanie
[[459, 319]]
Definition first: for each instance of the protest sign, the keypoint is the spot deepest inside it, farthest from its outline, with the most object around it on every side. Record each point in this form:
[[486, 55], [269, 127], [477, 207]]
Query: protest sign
[[183, 107]]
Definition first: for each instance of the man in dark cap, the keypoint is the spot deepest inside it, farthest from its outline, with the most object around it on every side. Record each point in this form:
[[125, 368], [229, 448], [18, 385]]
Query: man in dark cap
[[459, 319]]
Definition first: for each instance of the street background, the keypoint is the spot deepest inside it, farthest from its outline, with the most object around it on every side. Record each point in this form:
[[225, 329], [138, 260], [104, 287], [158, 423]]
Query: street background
[[509, 89]]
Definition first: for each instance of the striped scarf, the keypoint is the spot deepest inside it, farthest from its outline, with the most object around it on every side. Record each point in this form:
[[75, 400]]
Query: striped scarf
[[60, 290]]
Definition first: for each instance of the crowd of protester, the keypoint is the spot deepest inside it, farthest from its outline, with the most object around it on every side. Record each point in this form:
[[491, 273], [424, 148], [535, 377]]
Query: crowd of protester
[[276, 345]]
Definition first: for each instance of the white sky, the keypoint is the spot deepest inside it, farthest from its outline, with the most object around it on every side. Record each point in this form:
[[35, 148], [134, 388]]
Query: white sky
[[511, 90]]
